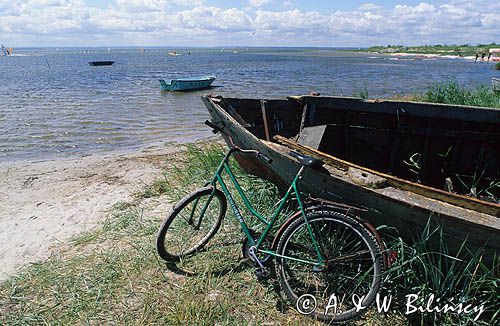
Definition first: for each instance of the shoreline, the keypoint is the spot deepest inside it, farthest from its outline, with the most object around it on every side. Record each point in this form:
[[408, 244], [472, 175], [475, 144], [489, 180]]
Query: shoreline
[[428, 56], [152, 146], [43, 204]]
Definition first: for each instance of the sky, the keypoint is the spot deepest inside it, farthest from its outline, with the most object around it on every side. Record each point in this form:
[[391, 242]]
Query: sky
[[194, 23]]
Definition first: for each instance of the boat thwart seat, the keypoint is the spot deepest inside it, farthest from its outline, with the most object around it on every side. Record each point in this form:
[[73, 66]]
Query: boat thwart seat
[[307, 160]]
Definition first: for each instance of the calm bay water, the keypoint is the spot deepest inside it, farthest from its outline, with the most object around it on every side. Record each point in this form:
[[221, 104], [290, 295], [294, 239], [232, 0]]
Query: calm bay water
[[53, 104]]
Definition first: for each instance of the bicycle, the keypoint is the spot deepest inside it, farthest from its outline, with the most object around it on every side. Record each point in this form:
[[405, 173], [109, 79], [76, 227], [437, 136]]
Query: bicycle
[[328, 261]]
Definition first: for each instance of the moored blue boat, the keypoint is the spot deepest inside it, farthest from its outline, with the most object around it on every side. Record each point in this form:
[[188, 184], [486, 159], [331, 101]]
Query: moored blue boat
[[187, 84]]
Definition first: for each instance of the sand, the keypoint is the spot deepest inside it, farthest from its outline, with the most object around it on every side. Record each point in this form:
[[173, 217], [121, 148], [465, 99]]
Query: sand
[[433, 56], [46, 203]]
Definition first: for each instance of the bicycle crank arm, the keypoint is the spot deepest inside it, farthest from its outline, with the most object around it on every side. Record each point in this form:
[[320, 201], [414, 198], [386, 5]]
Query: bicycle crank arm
[[253, 254]]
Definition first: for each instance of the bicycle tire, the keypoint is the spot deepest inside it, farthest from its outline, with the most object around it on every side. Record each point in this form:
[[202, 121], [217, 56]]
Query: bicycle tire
[[176, 228], [323, 284]]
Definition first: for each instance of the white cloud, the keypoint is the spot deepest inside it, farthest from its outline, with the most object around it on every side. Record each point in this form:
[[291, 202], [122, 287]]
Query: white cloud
[[155, 5], [424, 7], [294, 21], [192, 22], [141, 5], [258, 3], [45, 3], [491, 21], [212, 18], [187, 3], [370, 7]]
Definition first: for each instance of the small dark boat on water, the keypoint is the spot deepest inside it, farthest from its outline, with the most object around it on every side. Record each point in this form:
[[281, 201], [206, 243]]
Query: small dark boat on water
[[402, 161], [101, 63]]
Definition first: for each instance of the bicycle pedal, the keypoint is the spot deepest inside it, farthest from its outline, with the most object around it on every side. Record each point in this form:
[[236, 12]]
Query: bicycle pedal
[[262, 272]]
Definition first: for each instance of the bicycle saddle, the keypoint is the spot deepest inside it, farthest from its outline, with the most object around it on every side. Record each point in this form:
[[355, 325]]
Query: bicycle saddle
[[307, 160]]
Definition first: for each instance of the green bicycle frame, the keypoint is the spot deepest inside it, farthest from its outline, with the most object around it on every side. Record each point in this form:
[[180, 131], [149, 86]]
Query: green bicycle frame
[[224, 166]]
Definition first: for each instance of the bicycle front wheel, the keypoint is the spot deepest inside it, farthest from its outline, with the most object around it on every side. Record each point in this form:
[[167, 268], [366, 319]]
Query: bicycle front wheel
[[191, 224], [351, 273]]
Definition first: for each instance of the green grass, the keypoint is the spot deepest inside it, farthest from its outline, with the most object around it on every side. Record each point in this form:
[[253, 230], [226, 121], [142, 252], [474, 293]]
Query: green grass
[[452, 93], [361, 93], [422, 270], [449, 92], [112, 274]]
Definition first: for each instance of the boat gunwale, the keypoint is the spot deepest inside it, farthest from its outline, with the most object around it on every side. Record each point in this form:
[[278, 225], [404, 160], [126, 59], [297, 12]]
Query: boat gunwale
[[425, 109], [192, 79], [493, 209]]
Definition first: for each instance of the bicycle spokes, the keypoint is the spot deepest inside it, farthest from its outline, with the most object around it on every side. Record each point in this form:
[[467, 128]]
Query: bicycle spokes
[[191, 224], [350, 267]]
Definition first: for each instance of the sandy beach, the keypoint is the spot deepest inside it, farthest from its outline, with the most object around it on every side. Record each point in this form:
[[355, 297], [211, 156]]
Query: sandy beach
[[432, 56], [46, 203], [422, 55]]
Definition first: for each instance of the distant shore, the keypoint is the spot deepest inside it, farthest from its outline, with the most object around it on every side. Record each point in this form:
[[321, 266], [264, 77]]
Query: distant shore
[[464, 49], [427, 56]]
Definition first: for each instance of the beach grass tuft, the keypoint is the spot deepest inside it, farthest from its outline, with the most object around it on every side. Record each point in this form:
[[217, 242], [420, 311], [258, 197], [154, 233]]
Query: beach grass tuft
[[452, 93], [361, 93], [425, 272]]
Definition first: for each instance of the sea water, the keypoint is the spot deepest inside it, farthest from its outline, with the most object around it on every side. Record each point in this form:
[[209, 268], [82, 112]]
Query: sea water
[[54, 104]]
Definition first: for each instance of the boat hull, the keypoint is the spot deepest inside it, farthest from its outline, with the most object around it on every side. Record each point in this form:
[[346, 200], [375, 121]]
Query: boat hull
[[386, 203], [188, 84], [101, 63]]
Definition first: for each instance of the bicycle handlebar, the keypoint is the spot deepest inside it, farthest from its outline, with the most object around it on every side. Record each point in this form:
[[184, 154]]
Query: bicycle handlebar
[[234, 148], [258, 154]]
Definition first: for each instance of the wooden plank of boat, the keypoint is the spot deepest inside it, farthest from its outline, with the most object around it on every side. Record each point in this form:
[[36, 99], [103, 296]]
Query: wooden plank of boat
[[496, 84], [101, 63], [187, 84], [456, 199], [390, 200]]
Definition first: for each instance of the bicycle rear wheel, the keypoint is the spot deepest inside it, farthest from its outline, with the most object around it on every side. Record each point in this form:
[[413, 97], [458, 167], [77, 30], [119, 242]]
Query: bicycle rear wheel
[[191, 224], [352, 269]]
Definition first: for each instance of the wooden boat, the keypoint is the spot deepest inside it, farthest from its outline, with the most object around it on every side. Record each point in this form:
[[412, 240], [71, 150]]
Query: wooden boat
[[101, 63], [496, 84], [404, 162], [187, 84]]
